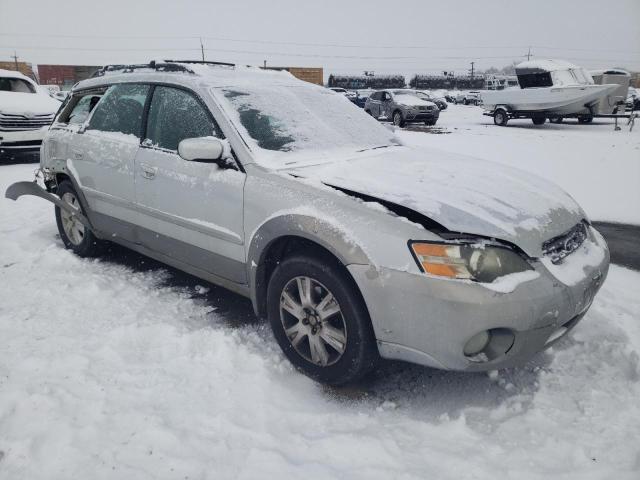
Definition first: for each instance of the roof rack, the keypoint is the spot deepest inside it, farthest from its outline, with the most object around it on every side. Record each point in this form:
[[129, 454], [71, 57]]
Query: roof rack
[[202, 62], [167, 66]]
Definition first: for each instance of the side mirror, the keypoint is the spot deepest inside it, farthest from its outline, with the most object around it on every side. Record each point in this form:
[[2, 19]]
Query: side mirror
[[203, 149]]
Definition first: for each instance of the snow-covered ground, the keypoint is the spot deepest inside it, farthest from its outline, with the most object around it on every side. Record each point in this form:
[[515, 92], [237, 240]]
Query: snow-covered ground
[[120, 369], [598, 166]]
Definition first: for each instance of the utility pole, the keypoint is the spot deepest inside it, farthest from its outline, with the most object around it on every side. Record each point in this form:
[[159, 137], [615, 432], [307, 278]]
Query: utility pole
[[15, 59], [472, 68], [529, 54], [202, 48]]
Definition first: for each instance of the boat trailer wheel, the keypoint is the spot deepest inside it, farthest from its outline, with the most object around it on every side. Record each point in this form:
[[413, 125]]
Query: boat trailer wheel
[[500, 117]]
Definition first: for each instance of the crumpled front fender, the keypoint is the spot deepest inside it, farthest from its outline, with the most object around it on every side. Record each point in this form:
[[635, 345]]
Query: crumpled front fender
[[18, 189]]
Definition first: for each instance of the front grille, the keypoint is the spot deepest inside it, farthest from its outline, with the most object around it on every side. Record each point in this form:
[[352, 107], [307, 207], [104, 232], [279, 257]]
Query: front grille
[[13, 123], [559, 247]]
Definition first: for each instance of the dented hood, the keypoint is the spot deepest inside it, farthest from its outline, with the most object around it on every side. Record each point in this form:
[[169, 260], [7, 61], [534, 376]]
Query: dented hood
[[464, 194]]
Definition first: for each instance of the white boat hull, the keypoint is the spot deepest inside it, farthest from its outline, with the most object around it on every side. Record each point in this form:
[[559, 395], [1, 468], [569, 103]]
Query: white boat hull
[[565, 100]]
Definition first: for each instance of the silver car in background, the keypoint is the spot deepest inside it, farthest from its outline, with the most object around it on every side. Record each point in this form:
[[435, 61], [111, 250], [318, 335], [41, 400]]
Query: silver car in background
[[402, 107], [353, 246]]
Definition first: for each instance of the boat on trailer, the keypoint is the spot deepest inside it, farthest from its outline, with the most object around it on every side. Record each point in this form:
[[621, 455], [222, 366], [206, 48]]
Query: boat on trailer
[[552, 89]]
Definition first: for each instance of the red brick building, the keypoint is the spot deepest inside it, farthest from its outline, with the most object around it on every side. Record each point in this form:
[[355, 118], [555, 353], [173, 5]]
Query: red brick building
[[64, 75]]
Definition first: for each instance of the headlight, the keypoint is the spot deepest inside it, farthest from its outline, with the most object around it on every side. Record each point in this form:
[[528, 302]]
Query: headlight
[[467, 261]]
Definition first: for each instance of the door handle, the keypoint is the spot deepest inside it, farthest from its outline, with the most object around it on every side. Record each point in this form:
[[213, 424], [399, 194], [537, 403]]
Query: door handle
[[148, 171]]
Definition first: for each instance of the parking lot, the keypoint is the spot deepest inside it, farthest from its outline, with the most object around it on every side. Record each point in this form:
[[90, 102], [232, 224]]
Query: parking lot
[[123, 365]]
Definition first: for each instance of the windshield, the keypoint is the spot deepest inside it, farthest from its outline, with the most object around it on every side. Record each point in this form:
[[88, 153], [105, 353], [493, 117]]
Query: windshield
[[8, 84], [571, 77], [289, 124]]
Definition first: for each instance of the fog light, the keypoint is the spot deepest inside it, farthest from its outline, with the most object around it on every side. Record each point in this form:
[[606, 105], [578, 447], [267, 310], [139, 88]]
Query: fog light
[[477, 343]]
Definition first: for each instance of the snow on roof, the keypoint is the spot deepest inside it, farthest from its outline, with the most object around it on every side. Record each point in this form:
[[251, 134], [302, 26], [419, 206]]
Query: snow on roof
[[210, 74], [609, 71], [550, 65], [13, 73], [220, 75]]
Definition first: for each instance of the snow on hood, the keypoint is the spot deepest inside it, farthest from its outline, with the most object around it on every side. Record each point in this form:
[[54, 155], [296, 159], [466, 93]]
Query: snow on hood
[[31, 103], [464, 194], [411, 100]]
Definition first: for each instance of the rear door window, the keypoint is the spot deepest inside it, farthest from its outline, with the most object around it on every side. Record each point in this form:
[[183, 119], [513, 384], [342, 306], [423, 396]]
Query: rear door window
[[174, 115], [120, 109]]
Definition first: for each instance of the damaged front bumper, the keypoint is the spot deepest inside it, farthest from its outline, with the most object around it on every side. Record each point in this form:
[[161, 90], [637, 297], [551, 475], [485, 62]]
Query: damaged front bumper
[[18, 189], [429, 320]]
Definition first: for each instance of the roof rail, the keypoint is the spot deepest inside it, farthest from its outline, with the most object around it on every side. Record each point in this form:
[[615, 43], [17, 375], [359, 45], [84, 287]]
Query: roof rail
[[202, 62], [167, 66]]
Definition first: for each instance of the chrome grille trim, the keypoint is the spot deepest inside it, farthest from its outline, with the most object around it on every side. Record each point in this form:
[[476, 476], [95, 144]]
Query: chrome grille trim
[[14, 122], [563, 245]]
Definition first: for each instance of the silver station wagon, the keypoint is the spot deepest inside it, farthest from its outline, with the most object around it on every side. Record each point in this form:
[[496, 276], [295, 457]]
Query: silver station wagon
[[352, 245]]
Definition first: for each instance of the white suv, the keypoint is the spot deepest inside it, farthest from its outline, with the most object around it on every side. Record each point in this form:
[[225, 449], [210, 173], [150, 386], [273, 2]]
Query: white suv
[[26, 111]]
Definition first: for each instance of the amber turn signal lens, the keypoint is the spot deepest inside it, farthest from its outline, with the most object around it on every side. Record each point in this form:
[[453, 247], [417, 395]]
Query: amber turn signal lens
[[441, 259]]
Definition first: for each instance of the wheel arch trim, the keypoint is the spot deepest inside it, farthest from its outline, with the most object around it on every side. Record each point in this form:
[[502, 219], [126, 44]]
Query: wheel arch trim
[[304, 227]]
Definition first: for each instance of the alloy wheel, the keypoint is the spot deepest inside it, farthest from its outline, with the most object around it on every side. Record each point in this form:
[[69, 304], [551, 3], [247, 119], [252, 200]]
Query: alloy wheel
[[73, 228], [313, 321]]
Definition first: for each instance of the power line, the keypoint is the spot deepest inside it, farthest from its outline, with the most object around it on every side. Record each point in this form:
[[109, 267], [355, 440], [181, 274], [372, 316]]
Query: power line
[[289, 54], [307, 44]]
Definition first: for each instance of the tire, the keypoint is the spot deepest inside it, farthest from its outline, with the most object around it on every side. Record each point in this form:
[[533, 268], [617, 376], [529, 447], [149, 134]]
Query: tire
[[555, 119], [74, 235], [398, 121], [500, 117], [539, 120], [369, 112], [465, 102], [349, 329]]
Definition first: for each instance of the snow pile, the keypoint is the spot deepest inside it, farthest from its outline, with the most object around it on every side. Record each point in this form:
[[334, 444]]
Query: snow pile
[[111, 369]]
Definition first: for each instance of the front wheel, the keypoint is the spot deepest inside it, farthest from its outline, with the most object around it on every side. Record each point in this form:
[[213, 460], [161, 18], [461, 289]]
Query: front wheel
[[398, 121], [538, 120], [320, 321], [73, 233]]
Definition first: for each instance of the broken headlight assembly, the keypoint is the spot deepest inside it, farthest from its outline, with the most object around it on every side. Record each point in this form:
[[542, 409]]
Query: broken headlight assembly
[[478, 262]]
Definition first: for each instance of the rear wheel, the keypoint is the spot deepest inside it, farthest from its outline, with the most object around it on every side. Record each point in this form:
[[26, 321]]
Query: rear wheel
[[538, 120], [500, 117], [320, 321], [73, 233]]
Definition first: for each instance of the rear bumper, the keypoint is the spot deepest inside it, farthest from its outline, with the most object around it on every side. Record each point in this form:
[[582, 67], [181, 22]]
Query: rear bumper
[[428, 321]]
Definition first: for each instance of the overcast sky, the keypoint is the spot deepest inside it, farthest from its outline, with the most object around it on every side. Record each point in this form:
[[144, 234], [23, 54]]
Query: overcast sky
[[345, 36]]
